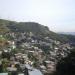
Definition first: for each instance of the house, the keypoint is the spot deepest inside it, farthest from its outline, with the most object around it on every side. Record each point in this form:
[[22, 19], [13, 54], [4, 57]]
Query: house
[[49, 64], [0, 52], [43, 68], [11, 69], [21, 74], [35, 72], [3, 73]]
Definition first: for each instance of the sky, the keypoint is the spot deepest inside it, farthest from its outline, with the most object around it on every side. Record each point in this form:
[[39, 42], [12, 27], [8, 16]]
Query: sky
[[58, 15]]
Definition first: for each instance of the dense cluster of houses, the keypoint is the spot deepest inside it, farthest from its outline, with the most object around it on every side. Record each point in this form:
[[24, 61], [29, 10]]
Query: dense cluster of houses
[[33, 53]]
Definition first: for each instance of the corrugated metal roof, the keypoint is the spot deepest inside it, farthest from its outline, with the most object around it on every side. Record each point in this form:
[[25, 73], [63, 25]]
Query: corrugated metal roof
[[35, 72]]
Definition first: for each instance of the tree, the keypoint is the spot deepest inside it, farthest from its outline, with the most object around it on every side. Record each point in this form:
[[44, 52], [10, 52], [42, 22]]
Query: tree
[[66, 66], [6, 55], [1, 68], [26, 71]]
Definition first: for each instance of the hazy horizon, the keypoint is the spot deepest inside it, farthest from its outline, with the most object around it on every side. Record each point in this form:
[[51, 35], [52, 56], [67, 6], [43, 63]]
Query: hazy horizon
[[58, 15]]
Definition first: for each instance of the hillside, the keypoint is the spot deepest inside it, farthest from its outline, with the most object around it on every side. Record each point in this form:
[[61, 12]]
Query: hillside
[[23, 27], [67, 33], [3, 27], [36, 28]]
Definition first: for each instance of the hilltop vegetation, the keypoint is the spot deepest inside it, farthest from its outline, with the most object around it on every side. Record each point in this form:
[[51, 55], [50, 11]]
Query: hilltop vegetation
[[36, 28]]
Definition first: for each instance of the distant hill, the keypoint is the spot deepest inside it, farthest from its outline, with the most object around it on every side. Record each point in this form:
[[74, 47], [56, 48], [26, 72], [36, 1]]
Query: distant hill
[[23, 27], [36, 28], [67, 33]]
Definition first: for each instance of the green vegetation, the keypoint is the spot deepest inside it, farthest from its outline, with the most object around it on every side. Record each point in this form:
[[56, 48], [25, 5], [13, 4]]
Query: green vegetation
[[66, 66], [36, 28], [3, 42]]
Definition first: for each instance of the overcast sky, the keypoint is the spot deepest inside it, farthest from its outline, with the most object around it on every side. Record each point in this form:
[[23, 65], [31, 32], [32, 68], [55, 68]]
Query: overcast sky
[[58, 15]]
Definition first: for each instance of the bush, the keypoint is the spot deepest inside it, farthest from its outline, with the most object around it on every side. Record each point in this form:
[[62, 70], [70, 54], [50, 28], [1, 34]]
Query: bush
[[66, 66]]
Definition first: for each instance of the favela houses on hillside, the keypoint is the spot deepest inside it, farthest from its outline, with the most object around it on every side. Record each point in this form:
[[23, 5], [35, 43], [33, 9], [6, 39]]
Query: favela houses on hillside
[[37, 37], [25, 53]]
